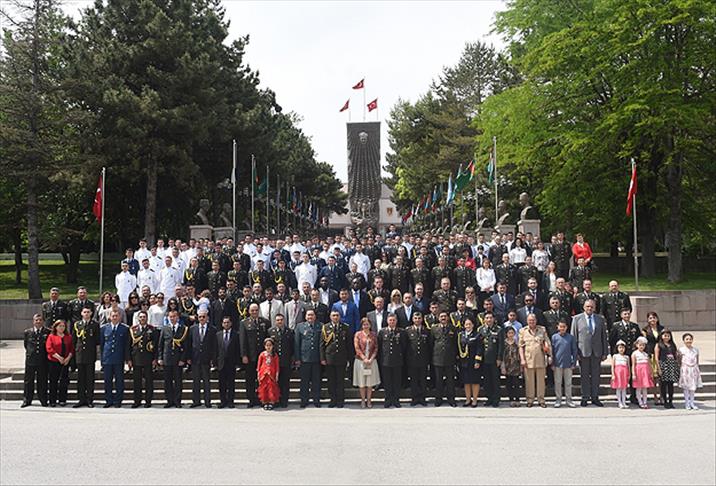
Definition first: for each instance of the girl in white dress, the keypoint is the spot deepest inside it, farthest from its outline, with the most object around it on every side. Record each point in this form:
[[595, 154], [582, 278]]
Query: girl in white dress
[[690, 376]]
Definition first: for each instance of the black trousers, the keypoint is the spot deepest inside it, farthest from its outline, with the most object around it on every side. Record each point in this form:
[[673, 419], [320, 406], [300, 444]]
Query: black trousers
[[444, 383], [251, 379], [227, 385], [59, 381], [589, 377], [336, 375], [392, 379], [85, 382], [512, 387], [418, 383], [491, 377], [667, 391], [284, 378], [173, 384], [310, 376], [35, 374], [143, 374], [200, 379]]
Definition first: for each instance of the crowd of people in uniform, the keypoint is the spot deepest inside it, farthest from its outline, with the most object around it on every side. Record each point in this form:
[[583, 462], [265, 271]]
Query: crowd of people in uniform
[[425, 312]]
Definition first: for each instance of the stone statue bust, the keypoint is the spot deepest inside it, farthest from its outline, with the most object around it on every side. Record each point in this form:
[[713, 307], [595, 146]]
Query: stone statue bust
[[226, 217], [202, 216], [528, 211], [502, 213]]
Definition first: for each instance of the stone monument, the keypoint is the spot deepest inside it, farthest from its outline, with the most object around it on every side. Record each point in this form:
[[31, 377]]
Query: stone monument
[[226, 230], [501, 223], [364, 180], [529, 217], [203, 229]]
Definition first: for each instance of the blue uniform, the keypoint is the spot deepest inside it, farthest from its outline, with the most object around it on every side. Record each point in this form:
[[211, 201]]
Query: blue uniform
[[114, 347], [308, 351]]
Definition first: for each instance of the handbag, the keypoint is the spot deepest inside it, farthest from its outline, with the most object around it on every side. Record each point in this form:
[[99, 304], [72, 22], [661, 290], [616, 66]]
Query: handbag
[[367, 371]]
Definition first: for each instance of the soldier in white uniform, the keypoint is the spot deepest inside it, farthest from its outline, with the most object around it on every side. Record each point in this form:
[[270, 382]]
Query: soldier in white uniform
[[125, 283], [169, 278], [147, 276]]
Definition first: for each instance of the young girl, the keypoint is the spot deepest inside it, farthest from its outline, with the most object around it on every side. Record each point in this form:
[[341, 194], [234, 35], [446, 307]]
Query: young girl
[[641, 372], [620, 374], [666, 357], [267, 370], [511, 367], [690, 378]]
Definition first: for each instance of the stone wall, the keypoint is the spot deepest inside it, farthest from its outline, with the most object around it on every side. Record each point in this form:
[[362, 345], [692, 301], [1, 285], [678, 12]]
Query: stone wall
[[16, 316]]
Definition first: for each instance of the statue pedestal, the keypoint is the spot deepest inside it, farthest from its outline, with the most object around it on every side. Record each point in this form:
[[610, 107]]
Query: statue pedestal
[[529, 226], [223, 232], [505, 228], [200, 231]]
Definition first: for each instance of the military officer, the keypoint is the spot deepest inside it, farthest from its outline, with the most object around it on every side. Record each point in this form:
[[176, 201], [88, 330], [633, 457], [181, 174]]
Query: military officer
[[494, 342], [242, 305], [336, 279], [553, 316], [354, 274], [399, 275], [462, 277], [561, 253], [238, 275], [215, 279], [458, 317], [417, 359], [613, 302], [196, 275], [75, 306], [565, 298], [54, 309], [378, 290], [505, 273], [147, 276], [261, 276], [376, 271], [336, 351], [85, 339], [433, 317], [172, 354], [143, 345], [579, 274], [439, 272], [114, 344], [283, 276], [232, 291], [284, 340], [585, 295], [445, 296], [36, 365], [308, 357], [187, 305], [525, 273], [421, 275], [624, 330], [443, 342], [392, 342], [252, 332]]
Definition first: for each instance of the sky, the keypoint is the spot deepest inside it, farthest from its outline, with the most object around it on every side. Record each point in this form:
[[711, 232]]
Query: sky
[[310, 53]]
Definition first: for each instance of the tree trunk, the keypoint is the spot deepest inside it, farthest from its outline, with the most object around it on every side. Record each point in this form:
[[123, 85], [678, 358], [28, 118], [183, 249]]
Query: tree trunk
[[34, 290], [673, 231], [73, 262], [150, 212], [614, 249], [17, 243]]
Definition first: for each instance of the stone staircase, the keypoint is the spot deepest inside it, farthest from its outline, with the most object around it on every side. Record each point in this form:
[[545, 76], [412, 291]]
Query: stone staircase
[[11, 388]]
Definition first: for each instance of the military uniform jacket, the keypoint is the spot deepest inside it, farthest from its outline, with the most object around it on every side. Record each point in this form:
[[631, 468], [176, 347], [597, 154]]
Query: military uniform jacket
[[144, 345], [376, 272], [242, 306], [336, 344], [115, 345], [627, 332], [430, 321], [285, 277], [506, 274], [524, 274], [552, 318], [53, 311], [307, 342], [443, 342], [578, 275], [613, 304], [252, 333], [561, 252], [417, 350], [493, 341], [447, 301], [470, 348], [35, 351], [74, 309], [458, 318], [421, 275], [463, 277], [437, 275], [241, 277], [196, 277], [565, 299], [187, 309], [284, 341], [351, 275], [262, 277], [399, 278], [392, 345], [174, 345], [215, 280], [85, 339], [582, 297]]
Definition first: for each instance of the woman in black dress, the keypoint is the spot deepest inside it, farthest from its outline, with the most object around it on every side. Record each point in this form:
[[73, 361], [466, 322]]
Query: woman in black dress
[[470, 347]]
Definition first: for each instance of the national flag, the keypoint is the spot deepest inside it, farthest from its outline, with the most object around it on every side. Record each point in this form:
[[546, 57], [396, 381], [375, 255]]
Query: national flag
[[407, 215], [373, 105], [360, 84], [632, 189], [450, 189], [345, 106], [261, 189], [491, 169], [471, 169], [97, 206], [462, 179]]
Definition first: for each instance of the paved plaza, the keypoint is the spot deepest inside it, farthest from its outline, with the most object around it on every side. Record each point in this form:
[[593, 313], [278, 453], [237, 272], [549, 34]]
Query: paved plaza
[[407, 446]]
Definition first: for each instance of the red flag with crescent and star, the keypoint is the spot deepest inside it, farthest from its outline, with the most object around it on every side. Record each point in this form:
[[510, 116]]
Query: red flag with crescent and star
[[97, 206], [373, 105]]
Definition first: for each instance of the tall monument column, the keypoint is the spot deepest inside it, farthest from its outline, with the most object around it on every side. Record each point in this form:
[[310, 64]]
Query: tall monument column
[[364, 179]]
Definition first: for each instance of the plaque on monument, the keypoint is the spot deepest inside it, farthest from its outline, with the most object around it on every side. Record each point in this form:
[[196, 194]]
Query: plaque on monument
[[364, 179], [529, 226], [223, 232], [200, 231], [505, 228]]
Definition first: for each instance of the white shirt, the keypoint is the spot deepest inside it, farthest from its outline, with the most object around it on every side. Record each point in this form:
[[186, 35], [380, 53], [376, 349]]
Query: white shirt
[[169, 278], [517, 255], [250, 249], [162, 252], [156, 263], [148, 277], [179, 264], [485, 278], [297, 247], [155, 315], [141, 254], [260, 256], [379, 319], [306, 272], [125, 283], [362, 262]]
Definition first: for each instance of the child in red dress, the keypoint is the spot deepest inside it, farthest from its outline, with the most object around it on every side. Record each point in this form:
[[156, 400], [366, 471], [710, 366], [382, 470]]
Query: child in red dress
[[267, 370]]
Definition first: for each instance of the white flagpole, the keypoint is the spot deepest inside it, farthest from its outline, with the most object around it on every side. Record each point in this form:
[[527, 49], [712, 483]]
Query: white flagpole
[[364, 103], [101, 237], [268, 200], [253, 183], [476, 204], [636, 246], [233, 189], [494, 171]]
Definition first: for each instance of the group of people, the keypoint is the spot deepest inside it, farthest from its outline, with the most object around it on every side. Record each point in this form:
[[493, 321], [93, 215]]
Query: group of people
[[424, 311]]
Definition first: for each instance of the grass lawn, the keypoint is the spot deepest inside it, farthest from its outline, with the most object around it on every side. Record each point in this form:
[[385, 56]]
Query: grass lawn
[[52, 275]]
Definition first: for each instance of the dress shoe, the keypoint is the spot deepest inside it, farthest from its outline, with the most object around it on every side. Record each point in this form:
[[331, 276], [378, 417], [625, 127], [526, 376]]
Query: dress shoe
[[340, 405], [117, 405], [62, 404], [249, 405], [466, 404], [221, 405], [207, 405], [474, 405], [303, 405], [168, 405], [179, 405], [438, 403], [543, 405], [195, 405], [147, 405], [495, 404], [584, 403], [52, 405], [231, 405], [597, 403], [106, 405], [424, 403], [413, 404], [317, 404], [135, 405], [452, 404], [77, 405], [25, 404], [90, 405], [44, 404], [386, 405], [331, 405], [397, 404]]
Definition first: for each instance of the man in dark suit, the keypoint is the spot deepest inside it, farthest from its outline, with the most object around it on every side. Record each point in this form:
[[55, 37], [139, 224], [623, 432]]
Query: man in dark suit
[[252, 332], [391, 350], [405, 313], [333, 274], [320, 309], [284, 341], [202, 352], [36, 363], [85, 338], [590, 332], [113, 343], [347, 311], [336, 350], [529, 308], [360, 297], [227, 358], [173, 353], [502, 302], [541, 299], [143, 350], [327, 295], [223, 307]]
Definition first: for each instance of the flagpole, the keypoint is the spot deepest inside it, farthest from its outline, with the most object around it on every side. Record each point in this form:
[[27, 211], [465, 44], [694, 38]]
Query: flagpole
[[364, 104], [636, 257], [278, 203], [268, 200], [101, 234], [477, 212], [233, 189], [494, 172], [253, 183]]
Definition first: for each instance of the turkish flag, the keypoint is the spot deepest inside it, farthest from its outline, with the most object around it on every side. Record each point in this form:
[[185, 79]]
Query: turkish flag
[[632, 190], [360, 84], [373, 105], [345, 106], [97, 206]]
